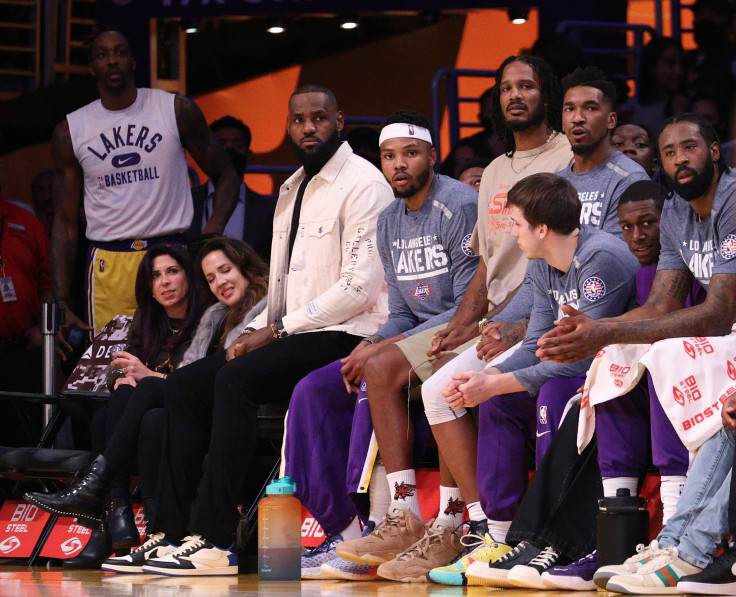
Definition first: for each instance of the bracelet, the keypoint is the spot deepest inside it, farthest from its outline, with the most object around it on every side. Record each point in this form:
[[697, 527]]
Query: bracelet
[[246, 331], [374, 339], [278, 330], [482, 323]]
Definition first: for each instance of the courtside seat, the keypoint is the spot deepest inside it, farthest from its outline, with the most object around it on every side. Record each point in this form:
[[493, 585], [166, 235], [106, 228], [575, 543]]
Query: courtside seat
[[13, 461]]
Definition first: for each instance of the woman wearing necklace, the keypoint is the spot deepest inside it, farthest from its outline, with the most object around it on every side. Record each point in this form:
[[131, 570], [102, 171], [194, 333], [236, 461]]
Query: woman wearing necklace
[[237, 278]]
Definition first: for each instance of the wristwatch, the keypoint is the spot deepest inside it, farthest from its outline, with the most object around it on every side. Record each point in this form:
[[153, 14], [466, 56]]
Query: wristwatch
[[482, 323], [278, 330]]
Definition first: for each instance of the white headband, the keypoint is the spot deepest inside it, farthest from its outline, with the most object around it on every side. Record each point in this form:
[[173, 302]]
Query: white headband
[[401, 129]]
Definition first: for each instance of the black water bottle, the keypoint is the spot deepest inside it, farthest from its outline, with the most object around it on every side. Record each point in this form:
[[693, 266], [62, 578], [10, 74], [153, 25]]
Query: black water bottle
[[622, 524]]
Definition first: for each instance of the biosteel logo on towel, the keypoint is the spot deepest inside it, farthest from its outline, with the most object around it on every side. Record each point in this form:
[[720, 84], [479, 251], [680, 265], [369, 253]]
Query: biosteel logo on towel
[[697, 347], [688, 391]]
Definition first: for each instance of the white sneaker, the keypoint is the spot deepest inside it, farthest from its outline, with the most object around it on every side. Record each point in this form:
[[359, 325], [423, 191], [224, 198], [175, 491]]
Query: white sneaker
[[196, 557], [155, 546], [658, 576], [643, 554]]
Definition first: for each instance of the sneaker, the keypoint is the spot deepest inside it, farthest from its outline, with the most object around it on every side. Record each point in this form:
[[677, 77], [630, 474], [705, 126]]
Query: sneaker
[[717, 578], [155, 546], [658, 576], [324, 552], [643, 554], [479, 547], [529, 576], [340, 569], [493, 574], [438, 547], [577, 576], [195, 557], [398, 532]]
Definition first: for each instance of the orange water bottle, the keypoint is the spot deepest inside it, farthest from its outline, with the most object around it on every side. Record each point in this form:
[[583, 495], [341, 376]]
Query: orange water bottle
[[279, 532]]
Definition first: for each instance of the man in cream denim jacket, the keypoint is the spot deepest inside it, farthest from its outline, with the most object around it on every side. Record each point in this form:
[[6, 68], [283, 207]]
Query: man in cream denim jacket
[[326, 279]]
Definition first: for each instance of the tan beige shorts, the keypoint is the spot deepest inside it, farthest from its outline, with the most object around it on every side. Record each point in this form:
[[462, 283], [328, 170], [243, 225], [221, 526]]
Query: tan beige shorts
[[415, 350]]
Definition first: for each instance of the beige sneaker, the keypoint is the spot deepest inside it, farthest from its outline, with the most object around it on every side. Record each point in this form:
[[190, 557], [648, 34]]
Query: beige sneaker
[[398, 531], [438, 547]]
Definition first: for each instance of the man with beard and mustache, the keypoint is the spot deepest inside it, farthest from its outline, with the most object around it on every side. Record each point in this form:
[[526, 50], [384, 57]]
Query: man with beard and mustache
[[698, 240], [422, 241], [326, 292], [252, 218], [124, 155]]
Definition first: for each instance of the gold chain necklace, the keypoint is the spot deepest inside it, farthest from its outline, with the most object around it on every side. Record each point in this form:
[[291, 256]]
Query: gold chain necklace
[[545, 146]]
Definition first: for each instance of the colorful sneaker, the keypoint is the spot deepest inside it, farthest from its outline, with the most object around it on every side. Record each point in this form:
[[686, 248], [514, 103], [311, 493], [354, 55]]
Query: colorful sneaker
[[196, 557], [479, 547], [493, 574], [529, 576], [717, 578], [321, 554], [340, 569], [658, 576], [155, 546], [577, 576], [398, 532], [439, 546], [643, 554]]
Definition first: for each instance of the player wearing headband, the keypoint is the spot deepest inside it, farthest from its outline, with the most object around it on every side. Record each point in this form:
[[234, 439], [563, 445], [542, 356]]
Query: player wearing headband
[[422, 241]]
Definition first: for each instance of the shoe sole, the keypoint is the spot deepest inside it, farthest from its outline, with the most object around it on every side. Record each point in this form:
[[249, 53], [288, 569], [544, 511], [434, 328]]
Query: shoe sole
[[699, 588], [571, 584], [123, 569], [340, 575], [451, 579], [524, 578], [421, 577], [619, 587], [225, 571], [368, 559], [312, 574], [500, 582]]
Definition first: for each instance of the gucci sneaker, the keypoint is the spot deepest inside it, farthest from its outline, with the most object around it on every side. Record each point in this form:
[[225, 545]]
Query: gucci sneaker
[[659, 576], [478, 548], [494, 574], [196, 557], [398, 532], [643, 554], [155, 546]]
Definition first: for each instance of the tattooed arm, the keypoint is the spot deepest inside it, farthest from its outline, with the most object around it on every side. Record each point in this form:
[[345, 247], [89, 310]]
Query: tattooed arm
[[207, 151], [661, 317], [67, 191]]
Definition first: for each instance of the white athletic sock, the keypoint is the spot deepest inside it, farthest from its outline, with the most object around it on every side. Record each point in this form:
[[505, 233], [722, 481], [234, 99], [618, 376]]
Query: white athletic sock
[[403, 488], [452, 508], [670, 488], [378, 493], [352, 531], [497, 529], [475, 512], [611, 484]]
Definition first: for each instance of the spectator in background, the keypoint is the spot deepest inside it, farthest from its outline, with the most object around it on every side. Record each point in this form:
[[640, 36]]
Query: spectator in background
[[659, 82], [635, 141], [473, 172], [25, 282], [559, 51], [252, 219], [485, 143], [458, 159], [710, 108], [43, 198], [364, 142]]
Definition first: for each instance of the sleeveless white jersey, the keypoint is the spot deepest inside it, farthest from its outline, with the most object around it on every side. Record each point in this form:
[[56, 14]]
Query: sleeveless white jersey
[[136, 183]]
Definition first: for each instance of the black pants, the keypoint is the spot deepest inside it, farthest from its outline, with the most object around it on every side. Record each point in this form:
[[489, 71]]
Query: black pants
[[127, 408], [212, 407], [559, 509]]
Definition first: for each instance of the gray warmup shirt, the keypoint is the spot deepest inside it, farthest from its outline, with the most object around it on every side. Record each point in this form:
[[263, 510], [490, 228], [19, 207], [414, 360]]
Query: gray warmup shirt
[[707, 247], [599, 191], [426, 258], [601, 282]]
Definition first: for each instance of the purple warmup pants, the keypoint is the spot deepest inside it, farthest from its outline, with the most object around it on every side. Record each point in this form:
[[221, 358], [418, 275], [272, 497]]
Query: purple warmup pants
[[509, 423], [669, 454], [327, 443]]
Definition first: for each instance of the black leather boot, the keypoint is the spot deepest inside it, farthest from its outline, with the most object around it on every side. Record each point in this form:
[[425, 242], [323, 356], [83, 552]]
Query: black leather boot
[[84, 499], [97, 550], [121, 522]]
